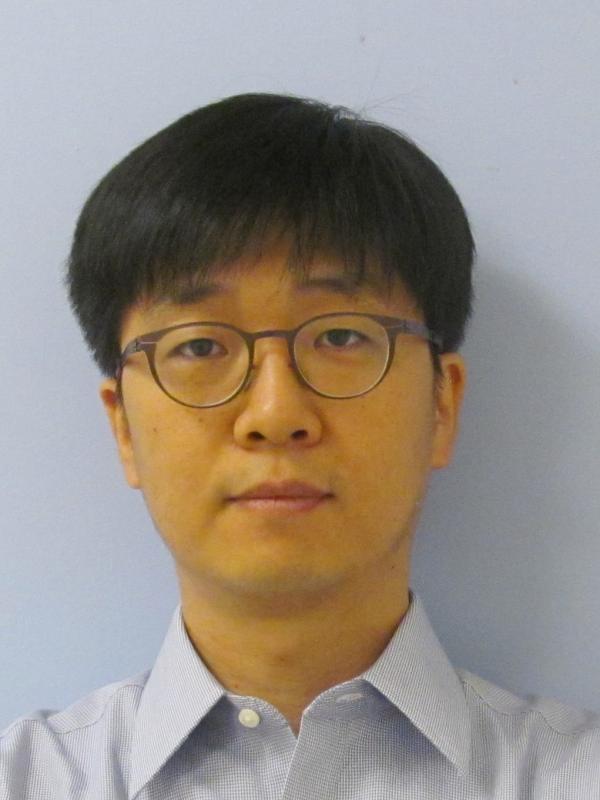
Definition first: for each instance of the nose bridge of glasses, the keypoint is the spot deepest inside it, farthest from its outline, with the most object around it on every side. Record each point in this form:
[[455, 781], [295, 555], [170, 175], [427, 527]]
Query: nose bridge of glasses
[[285, 352], [285, 346]]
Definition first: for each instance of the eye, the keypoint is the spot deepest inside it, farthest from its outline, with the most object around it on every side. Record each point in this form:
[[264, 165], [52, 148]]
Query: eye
[[194, 348], [341, 335]]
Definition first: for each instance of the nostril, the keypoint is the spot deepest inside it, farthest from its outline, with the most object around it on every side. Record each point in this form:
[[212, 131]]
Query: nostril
[[256, 436]]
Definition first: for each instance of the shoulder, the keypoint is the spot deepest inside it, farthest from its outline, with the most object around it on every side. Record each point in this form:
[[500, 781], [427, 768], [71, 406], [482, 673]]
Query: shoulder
[[68, 741], [540, 712], [86, 712], [554, 741]]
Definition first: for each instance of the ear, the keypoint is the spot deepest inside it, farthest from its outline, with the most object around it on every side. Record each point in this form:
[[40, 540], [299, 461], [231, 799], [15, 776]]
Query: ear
[[448, 404], [120, 427]]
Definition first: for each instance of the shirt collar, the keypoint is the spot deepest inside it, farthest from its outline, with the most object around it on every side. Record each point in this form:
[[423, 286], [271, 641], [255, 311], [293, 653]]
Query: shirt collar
[[413, 673], [178, 694]]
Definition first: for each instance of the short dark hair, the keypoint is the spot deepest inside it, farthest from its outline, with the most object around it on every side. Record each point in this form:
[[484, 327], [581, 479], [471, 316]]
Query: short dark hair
[[214, 185]]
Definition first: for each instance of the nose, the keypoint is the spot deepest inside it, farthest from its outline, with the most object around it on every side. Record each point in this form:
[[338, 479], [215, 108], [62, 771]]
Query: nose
[[275, 406]]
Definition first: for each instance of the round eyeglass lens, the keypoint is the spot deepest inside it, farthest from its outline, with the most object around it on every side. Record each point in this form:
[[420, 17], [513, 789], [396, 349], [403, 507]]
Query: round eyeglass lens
[[201, 364], [342, 355]]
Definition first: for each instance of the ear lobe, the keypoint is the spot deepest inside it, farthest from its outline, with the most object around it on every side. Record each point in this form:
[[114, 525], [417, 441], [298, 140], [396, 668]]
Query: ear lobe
[[448, 406], [119, 424]]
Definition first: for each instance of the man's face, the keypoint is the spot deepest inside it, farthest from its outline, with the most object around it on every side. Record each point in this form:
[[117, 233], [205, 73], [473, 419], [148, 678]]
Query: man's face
[[373, 453]]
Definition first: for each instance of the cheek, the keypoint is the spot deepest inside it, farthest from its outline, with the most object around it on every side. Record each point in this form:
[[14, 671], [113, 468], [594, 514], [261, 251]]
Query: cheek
[[173, 463], [392, 454]]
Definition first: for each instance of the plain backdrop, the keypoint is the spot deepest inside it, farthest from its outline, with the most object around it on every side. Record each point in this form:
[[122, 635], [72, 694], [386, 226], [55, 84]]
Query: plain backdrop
[[504, 97]]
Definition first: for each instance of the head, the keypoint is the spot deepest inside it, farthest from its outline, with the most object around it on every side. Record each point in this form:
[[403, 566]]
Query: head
[[258, 193]]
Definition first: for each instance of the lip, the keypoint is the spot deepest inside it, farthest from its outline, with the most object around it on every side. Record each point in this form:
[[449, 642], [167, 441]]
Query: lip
[[291, 490], [280, 505]]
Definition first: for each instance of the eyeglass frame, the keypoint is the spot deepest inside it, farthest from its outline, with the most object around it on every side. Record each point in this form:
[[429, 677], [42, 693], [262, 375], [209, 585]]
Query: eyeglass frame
[[392, 325]]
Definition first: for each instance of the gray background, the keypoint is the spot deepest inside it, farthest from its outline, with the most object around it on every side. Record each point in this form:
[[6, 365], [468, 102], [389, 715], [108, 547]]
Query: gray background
[[504, 96]]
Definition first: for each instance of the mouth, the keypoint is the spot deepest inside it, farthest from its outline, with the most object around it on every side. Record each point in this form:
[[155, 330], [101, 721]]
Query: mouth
[[284, 496], [285, 505]]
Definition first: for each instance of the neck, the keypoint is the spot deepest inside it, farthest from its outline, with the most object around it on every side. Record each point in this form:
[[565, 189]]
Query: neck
[[290, 651]]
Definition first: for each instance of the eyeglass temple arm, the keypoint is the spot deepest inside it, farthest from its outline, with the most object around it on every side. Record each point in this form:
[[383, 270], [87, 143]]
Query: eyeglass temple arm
[[132, 347], [408, 326]]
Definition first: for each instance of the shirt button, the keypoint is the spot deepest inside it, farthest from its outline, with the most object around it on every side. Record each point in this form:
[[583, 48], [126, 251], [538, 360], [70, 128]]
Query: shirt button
[[249, 718]]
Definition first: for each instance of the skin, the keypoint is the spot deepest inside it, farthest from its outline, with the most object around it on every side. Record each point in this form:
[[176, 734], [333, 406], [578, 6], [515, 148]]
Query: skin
[[283, 607]]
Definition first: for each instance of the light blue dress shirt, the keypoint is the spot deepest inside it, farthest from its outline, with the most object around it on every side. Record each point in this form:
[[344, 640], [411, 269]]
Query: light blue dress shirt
[[410, 727]]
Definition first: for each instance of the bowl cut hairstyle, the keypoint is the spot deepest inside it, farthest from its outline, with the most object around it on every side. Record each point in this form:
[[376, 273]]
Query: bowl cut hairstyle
[[221, 181]]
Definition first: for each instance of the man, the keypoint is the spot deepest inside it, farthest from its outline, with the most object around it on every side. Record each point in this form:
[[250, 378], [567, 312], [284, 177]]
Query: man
[[276, 291]]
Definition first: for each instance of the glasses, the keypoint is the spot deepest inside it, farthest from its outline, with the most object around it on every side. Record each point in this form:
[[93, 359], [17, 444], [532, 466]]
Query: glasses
[[339, 355]]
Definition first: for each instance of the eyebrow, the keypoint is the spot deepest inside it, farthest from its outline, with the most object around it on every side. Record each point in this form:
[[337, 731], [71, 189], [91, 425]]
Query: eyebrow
[[188, 295]]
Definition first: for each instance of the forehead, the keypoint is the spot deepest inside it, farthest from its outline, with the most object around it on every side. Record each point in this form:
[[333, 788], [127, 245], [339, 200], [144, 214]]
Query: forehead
[[324, 274], [226, 299], [255, 282], [332, 283]]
